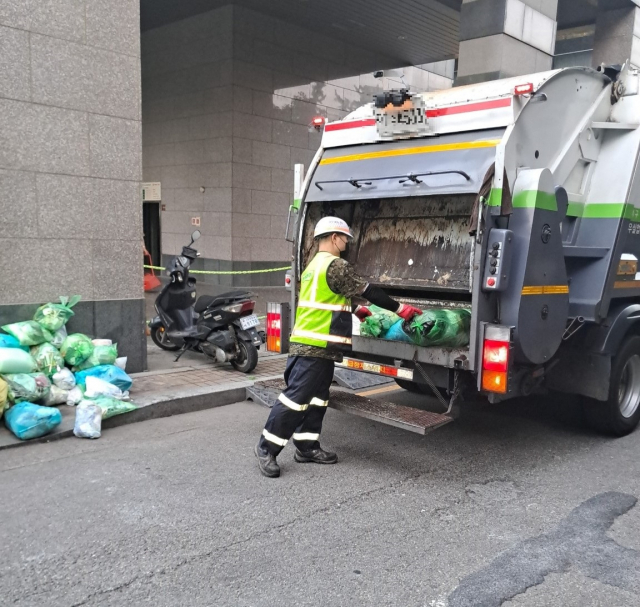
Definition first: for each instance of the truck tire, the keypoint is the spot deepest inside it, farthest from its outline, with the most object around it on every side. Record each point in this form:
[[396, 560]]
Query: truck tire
[[620, 414]]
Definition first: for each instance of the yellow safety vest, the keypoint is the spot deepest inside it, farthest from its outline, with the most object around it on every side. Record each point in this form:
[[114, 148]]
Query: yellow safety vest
[[323, 318]]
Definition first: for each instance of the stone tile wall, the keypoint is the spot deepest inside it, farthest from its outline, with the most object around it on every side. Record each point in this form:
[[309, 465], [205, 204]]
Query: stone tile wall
[[70, 159], [228, 97]]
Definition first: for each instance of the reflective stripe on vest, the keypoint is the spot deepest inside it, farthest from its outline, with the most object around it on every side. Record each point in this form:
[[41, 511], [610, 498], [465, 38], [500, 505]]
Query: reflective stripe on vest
[[323, 318], [335, 339]]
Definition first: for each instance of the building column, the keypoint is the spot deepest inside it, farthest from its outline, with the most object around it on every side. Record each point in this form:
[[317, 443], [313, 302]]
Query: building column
[[503, 38], [617, 36]]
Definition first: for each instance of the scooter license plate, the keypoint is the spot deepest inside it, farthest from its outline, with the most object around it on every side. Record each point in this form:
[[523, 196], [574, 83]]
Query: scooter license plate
[[246, 322]]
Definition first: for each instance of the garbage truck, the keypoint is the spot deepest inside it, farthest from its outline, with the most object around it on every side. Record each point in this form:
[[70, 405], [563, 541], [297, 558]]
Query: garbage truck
[[518, 200]]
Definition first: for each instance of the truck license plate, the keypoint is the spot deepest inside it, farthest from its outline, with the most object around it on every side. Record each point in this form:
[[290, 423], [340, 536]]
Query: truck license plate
[[247, 322]]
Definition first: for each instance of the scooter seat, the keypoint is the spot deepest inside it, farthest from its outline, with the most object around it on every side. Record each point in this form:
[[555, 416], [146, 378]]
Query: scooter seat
[[211, 301]]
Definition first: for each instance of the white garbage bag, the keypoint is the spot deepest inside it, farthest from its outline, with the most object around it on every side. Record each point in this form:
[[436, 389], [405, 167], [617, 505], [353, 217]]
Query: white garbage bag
[[64, 379], [88, 422], [97, 387]]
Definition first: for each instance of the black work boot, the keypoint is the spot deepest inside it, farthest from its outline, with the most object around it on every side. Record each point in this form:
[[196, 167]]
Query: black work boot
[[267, 462], [317, 456]]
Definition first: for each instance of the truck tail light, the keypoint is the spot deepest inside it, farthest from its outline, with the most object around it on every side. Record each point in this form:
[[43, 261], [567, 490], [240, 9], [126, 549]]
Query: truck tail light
[[278, 327], [495, 359]]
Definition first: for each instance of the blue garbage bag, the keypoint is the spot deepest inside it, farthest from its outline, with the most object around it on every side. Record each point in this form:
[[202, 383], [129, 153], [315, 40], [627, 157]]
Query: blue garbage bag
[[110, 373], [396, 333], [9, 341], [27, 420]]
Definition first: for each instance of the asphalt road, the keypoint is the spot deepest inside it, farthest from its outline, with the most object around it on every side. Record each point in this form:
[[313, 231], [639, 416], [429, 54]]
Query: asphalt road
[[512, 505]]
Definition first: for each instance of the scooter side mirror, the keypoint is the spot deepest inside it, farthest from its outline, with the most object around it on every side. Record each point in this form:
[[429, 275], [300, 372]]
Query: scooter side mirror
[[195, 235]]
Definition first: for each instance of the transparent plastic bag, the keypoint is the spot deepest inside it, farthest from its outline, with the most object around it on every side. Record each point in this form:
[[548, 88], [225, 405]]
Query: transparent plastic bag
[[443, 327], [56, 396], [76, 349], [58, 337], [48, 358], [28, 332], [16, 360], [96, 387], [9, 341], [27, 420], [114, 375], [378, 323], [27, 386], [53, 316], [88, 422], [101, 355], [75, 396], [64, 379], [4, 399], [112, 406]]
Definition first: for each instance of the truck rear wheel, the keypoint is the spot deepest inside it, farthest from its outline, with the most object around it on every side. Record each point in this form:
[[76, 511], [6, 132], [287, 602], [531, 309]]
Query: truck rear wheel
[[620, 414]]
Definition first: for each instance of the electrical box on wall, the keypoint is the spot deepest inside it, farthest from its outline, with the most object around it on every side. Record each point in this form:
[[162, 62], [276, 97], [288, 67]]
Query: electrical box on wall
[[152, 192], [195, 221]]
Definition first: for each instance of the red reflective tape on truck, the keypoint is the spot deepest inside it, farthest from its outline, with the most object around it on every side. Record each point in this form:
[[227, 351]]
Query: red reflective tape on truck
[[354, 124], [469, 107]]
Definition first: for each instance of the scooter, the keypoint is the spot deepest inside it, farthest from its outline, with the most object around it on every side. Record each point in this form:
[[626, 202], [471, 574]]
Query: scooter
[[223, 327]]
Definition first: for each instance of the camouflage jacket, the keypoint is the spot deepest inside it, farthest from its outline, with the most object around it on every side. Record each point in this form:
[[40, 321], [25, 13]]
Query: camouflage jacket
[[342, 279]]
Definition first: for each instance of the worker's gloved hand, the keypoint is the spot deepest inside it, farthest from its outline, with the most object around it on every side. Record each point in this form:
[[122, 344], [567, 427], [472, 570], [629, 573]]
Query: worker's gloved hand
[[362, 312], [407, 312]]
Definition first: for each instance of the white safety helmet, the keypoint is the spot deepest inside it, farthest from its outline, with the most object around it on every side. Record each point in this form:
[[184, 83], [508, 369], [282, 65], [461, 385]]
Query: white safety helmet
[[330, 225]]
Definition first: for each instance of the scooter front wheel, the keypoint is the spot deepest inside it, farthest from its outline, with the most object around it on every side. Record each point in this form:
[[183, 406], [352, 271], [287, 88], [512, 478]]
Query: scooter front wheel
[[247, 358], [159, 337]]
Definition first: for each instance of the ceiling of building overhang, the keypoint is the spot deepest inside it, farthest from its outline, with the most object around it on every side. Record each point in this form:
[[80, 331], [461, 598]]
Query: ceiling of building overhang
[[412, 31]]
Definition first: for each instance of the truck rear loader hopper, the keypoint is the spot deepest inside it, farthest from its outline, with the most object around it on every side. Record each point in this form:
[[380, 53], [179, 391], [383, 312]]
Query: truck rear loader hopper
[[518, 199]]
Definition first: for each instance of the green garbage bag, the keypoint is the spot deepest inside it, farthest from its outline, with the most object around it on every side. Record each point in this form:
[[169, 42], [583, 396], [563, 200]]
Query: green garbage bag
[[58, 337], [76, 349], [14, 360], [48, 358], [53, 316], [378, 323], [448, 328], [28, 332], [101, 355], [111, 406], [27, 386]]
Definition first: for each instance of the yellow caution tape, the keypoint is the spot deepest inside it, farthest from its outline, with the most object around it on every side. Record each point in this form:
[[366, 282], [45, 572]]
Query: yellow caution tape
[[221, 272]]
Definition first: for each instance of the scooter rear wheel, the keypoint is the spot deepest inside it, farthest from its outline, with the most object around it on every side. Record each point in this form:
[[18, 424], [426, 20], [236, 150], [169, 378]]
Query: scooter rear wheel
[[247, 359], [159, 337]]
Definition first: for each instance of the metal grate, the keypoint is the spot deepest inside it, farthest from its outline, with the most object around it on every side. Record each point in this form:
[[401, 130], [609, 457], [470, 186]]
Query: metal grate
[[407, 418], [356, 380]]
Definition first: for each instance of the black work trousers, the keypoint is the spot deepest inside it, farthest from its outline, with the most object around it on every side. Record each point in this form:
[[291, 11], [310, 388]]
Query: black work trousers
[[300, 408]]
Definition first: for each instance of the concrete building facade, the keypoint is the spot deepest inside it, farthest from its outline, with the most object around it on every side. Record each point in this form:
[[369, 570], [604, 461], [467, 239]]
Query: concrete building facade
[[71, 165], [228, 99]]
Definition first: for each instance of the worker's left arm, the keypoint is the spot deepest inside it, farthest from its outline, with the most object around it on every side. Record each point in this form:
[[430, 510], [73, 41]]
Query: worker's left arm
[[344, 280]]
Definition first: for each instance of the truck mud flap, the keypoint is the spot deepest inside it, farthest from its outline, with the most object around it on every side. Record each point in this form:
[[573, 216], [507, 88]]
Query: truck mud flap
[[405, 418]]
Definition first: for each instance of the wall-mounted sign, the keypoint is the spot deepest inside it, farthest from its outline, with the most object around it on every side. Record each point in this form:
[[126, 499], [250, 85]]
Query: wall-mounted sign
[[151, 192]]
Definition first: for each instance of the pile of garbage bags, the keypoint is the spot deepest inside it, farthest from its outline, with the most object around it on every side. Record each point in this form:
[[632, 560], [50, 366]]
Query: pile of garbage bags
[[444, 327], [42, 367]]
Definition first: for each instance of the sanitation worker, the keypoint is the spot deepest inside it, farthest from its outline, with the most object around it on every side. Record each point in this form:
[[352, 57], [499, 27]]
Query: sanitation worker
[[322, 332]]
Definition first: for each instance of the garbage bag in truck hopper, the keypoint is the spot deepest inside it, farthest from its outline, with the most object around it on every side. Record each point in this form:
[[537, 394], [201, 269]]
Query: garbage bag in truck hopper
[[437, 327]]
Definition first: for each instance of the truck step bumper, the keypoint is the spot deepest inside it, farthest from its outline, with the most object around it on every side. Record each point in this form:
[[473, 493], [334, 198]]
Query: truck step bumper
[[407, 418]]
